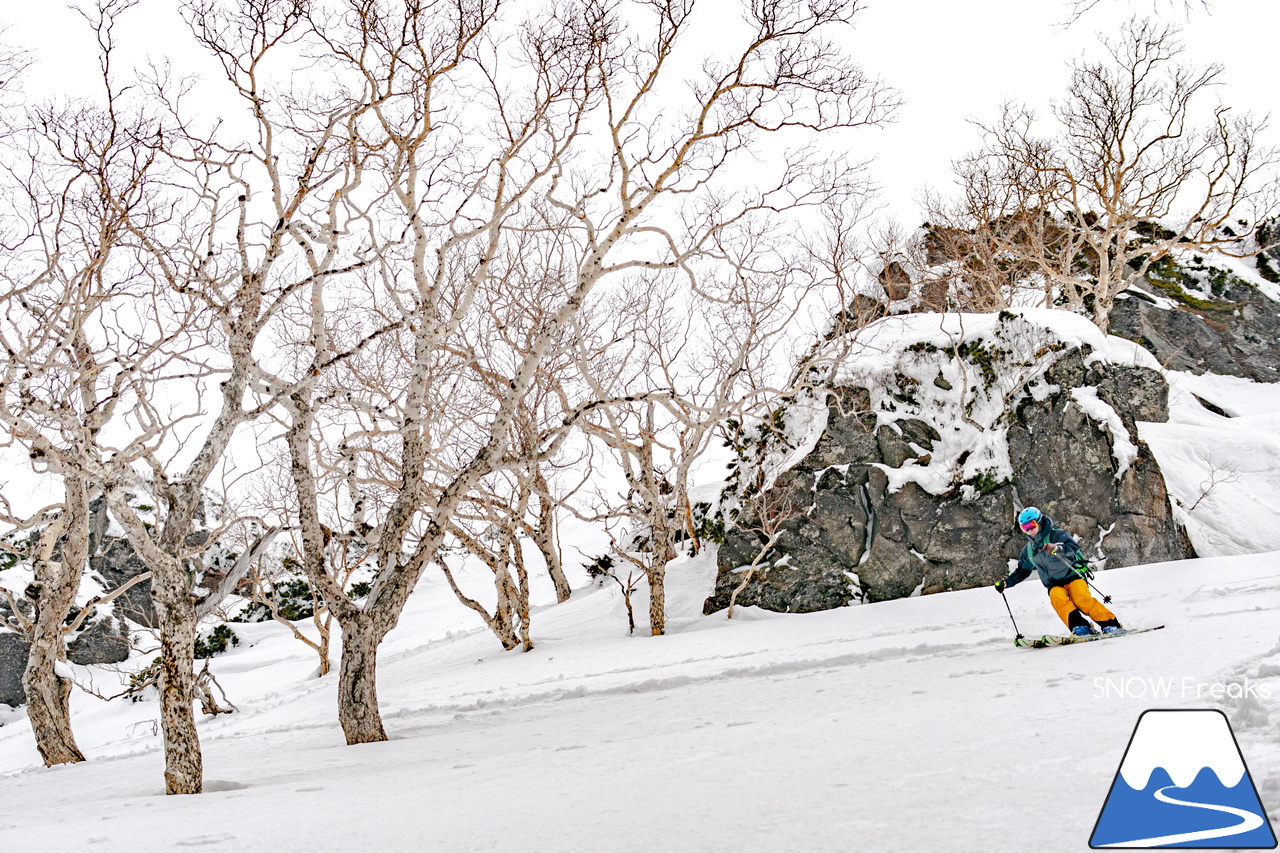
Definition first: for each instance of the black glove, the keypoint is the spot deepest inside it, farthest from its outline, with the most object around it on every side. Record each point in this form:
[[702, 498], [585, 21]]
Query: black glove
[[1000, 586]]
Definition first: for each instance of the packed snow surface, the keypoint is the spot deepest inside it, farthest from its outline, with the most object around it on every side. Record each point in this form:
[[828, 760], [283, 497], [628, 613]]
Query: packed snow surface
[[902, 726]]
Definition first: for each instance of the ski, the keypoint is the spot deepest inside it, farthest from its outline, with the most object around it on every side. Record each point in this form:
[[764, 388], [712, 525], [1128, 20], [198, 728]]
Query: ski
[[1054, 640]]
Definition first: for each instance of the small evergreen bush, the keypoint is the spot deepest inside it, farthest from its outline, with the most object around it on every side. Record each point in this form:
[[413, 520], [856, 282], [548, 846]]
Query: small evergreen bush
[[599, 568], [219, 639]]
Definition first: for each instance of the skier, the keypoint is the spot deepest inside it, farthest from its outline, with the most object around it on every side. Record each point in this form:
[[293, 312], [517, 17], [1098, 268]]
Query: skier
[[1055, 555]]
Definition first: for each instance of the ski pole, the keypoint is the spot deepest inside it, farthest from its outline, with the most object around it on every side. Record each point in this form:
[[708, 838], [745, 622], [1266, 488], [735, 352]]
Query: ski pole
[[1018, 634], [1106, 599], [1086, 573]]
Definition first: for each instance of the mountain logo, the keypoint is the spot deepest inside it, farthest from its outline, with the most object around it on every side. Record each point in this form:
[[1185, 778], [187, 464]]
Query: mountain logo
[[1183, 783]]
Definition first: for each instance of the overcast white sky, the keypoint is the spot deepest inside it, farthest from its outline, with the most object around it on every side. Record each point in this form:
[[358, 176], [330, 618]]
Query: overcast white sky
[[955, 61], [952, 61]]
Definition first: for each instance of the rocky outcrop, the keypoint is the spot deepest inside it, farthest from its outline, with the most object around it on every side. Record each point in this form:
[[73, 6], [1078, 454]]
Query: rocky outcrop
[[115, 563], [104, 640], [922, 460], [13, 660], [104, 637], [1235, 332], [112, 564]]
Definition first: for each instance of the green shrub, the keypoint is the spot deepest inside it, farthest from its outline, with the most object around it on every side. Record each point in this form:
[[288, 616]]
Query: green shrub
[[293, 600], [599, 568], [708, 525], [219, 639], [142, 679], [1168, 276], [1266, 269], [985, 482]]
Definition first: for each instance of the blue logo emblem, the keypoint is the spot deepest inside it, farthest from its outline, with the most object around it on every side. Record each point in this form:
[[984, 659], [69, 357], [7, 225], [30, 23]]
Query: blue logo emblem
[[1183, 783]]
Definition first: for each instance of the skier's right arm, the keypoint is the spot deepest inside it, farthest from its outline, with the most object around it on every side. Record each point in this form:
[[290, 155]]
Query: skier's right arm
[[1019, 574]]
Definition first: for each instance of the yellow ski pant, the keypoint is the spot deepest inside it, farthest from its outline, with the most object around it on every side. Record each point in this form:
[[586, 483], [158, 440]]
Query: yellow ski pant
[[1073, 596]]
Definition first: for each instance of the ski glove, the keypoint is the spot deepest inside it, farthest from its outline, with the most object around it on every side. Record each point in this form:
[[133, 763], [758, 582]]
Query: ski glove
[[1000, 586], [1053, 548], [1082, 567]]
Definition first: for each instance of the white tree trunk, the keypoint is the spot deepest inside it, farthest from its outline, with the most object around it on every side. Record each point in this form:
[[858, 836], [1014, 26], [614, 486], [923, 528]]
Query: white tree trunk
[[183, 765], [48, 695], [358, 683], [57, 582], [544, 536]]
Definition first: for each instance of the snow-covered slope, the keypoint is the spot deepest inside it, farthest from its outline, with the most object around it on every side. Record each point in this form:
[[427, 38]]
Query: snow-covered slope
[[1223, 471], [908, 725]]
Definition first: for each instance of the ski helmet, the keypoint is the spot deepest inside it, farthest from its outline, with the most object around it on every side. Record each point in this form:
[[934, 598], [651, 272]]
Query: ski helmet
[[1028, 514]]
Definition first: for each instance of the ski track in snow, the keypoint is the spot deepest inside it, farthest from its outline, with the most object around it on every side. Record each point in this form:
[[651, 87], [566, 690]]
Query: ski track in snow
[[906, 725]]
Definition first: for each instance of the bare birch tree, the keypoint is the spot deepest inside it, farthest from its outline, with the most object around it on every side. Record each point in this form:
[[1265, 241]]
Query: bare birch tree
[[262, 231], [177, 281], [421, 427], [58, 557], [277, 593], [426, 435], [1126, 177], [684, 354], [497, 544], [79, 336], [519, 502]]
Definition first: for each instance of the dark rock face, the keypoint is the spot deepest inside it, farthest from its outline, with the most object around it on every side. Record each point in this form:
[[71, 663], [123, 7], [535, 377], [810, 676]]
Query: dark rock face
[[103, 641], [115, 563], [1062, 464], [13, 660], [852, 539], [1241, 340]]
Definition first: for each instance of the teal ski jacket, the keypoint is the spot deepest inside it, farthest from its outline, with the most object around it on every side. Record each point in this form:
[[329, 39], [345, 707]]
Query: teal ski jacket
[[1053, 553]]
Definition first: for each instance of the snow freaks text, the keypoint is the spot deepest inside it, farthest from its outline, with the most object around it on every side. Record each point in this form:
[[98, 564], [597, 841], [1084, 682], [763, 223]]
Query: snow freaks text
[[1170, 688]]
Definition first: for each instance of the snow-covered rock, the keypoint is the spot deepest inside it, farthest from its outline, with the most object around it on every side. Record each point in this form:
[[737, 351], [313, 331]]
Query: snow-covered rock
[[934, 429]]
